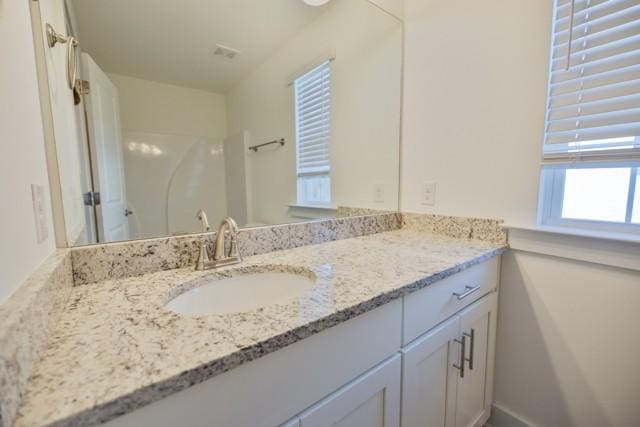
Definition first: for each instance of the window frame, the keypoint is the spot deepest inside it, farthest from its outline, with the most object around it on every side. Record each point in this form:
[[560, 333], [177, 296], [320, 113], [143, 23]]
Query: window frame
[[303, 199], [551, 198], [554, 165]]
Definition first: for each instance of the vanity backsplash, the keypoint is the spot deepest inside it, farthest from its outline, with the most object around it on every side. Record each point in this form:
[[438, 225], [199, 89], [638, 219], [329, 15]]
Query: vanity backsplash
[[118, 260], [488, 230]]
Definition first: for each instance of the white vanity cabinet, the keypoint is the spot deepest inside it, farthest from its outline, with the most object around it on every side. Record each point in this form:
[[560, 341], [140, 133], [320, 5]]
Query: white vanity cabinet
[[475, 388], [429, 378], [430, 306], [372, 400], [447, 373], [400, 364]]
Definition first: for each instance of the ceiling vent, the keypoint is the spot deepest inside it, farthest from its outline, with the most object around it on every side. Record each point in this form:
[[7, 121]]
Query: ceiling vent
[[225, 52]]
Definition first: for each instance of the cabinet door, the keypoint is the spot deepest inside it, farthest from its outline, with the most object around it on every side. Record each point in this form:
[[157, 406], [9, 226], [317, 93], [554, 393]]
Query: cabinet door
[[477, 327], [372, 400], [429, 379]]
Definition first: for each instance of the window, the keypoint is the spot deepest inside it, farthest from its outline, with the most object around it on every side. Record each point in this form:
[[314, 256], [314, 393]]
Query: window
[[591, 152], [312, 117]]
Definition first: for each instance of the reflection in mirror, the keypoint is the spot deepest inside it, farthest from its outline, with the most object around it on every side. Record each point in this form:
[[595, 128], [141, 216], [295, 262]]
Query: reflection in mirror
[[267, 111]]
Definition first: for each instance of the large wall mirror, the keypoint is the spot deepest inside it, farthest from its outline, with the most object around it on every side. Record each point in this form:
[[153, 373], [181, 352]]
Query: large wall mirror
[[268, 111]]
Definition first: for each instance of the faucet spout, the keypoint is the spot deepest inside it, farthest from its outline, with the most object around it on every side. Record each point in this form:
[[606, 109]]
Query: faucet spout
[[219, 258], [218, 251]]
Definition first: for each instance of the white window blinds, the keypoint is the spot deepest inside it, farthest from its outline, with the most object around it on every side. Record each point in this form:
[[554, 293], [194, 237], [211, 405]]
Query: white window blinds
[[312, 108], [593, 106]]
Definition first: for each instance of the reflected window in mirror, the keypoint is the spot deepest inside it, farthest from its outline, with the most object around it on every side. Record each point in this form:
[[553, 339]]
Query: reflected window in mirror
[[313, 130]]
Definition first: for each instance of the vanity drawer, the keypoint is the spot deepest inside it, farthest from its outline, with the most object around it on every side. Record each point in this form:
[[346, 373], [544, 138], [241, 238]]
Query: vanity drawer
[[427, 307]]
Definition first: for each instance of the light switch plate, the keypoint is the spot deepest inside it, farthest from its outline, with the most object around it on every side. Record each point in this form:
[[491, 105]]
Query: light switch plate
[[428, 196], [39, 212], [378, 193]]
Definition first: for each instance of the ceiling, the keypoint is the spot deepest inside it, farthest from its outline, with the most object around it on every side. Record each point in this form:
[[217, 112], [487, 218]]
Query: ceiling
[[172, 41]]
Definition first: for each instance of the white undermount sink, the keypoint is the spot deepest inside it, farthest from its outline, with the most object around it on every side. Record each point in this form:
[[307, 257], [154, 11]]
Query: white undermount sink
[[241, 293]]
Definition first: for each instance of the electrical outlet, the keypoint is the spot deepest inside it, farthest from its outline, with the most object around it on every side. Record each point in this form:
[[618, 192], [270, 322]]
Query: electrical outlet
[[39, 212], [429, 193], [378, 193]]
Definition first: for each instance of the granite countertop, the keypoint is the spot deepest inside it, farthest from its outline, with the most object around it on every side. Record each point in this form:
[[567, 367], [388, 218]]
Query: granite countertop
[[117, 348]]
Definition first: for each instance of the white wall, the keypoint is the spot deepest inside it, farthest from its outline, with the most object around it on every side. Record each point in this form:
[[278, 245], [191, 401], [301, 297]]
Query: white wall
[[394, 7], [567, 351], [22, 158], [186, 127], [148, 106], [364, 122], [475, 87], [474, 99]]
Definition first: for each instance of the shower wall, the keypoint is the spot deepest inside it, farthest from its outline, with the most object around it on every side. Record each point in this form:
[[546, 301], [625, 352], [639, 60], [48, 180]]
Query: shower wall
[[169, 178], [173, 154], [237, 178]]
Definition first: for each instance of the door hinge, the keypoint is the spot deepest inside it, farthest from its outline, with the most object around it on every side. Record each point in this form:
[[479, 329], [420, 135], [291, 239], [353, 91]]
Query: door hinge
[[80, 87], [91, 198], [83, 87]]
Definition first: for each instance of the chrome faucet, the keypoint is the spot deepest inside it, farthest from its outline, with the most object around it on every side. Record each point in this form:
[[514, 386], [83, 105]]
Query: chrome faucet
[[220, 259]]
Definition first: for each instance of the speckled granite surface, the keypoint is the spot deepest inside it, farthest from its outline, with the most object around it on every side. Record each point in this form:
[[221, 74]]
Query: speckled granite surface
[[348, 211], [26, 320], [489, 230], [117, 348], [126, 259]]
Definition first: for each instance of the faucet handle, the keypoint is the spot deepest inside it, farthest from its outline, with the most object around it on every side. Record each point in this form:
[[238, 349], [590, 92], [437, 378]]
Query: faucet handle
[[203, 256], [234, 251]]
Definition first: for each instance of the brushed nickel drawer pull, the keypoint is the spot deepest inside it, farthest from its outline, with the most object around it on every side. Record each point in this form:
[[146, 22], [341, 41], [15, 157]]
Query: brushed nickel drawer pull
[[463, 344], [469, 290], [472, 337]]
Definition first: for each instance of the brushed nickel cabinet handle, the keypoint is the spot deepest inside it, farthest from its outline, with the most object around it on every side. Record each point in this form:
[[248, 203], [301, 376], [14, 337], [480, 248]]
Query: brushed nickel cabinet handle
[[472, 337], [468, 291], [463, 344]]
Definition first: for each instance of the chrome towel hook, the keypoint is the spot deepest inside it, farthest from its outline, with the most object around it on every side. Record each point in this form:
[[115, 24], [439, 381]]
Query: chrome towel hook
[[54, 38]]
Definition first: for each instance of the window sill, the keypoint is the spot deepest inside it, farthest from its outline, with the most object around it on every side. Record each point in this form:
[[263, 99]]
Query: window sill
[[607, 248], [311, 211], [581, 232], [319, 207]]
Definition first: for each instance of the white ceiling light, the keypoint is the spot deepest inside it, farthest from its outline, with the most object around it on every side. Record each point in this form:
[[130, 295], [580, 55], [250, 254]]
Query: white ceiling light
[[316, 2]]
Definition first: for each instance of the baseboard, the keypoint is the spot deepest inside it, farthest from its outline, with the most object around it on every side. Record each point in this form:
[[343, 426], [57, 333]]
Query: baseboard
[[503, 417]]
